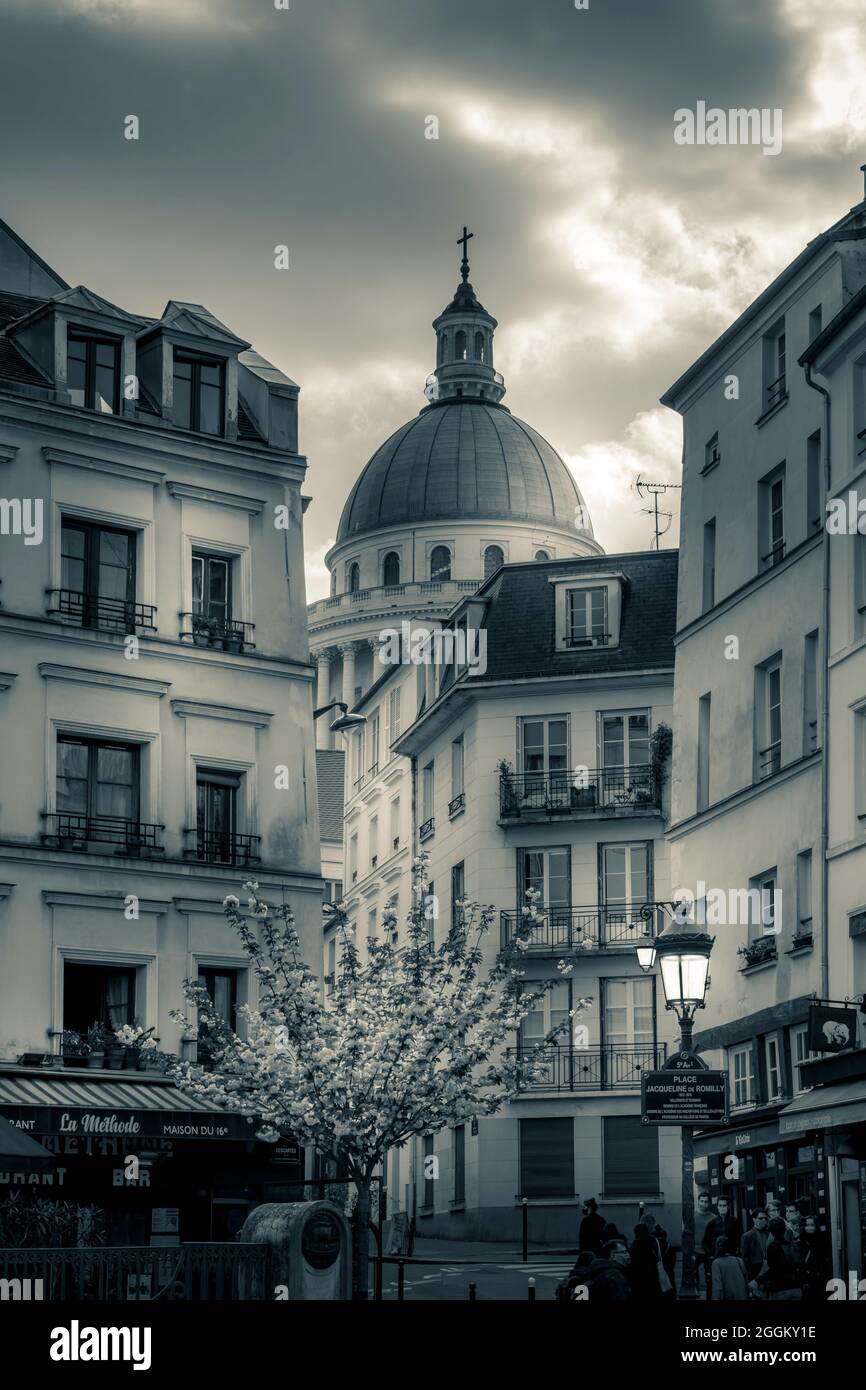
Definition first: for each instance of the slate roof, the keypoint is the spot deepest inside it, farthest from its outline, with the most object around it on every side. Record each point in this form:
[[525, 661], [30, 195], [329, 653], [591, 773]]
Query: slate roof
[[16, 306], [459, 459], [330, 765], [14, 367], [520, 617]]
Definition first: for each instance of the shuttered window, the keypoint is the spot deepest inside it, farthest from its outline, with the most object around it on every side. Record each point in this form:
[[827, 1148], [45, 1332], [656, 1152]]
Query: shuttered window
[[460, 1163], [547, 1158], [631, 1156]]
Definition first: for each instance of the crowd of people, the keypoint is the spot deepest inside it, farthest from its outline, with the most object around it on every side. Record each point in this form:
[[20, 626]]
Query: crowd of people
[[780, 1257]]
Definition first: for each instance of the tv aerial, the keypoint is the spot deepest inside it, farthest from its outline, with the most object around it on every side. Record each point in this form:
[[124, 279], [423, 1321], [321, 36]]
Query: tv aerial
[[644, 489]]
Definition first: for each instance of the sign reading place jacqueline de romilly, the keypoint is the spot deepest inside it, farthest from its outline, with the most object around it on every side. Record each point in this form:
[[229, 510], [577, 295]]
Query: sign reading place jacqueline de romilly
[[697, 1098]]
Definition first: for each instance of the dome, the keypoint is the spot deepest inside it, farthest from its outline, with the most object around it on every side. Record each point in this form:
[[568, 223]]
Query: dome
[[464, 459]]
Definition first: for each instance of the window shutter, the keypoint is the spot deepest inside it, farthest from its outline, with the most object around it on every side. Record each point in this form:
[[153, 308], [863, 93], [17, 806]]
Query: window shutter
[[631, 1156], [547, 1157]]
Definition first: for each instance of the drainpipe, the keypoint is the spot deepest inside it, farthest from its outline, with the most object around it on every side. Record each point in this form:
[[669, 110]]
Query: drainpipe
[[825, 697]]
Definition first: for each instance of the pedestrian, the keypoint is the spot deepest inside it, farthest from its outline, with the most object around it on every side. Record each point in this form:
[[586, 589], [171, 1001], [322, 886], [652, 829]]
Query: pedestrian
[[753, 1246], [794, 1223], [814, 1261], [723, 1224], [607, 1278], [669, 1262], [730, 1281], [780, 1279], [591, 1228], [610, 1233], [645, 1265], [565, 1290], [703, 1259]]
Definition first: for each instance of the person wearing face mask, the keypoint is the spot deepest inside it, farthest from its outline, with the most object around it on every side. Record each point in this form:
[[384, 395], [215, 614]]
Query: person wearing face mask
[[723, 1224], [753, 1247], [814, 1261], [591, 1228]]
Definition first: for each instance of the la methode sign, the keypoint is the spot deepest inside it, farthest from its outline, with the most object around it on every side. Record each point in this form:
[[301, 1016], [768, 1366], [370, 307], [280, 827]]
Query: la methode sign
[[684, 1098]]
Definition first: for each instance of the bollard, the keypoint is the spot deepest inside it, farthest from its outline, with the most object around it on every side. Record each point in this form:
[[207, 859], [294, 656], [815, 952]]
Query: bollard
[[401, 1277], [473, 1293], [530, 1292], [525, 1230]]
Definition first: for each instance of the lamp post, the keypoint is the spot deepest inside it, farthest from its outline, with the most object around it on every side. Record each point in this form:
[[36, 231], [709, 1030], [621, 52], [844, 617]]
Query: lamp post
[[684, 961]]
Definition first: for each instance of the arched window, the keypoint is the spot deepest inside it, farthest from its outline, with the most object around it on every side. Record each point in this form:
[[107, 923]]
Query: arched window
[[391, 568], [541, 555], [493, 558], [440, 562], [354, 579], [443, 344], [460, 346], [479, 346]]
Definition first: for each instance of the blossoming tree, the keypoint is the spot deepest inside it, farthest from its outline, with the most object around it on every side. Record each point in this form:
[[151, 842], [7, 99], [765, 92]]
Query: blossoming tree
[[411, 1038]]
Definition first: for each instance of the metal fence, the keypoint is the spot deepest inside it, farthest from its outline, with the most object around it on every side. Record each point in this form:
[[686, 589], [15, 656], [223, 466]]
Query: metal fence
[[200, 1273]]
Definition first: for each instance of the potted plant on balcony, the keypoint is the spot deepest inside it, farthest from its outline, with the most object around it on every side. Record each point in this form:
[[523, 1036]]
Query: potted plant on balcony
[[202, 631], [661, 744], [507, 793], [73, 1048], [97, 1041], [127, 1036], [233, 640]]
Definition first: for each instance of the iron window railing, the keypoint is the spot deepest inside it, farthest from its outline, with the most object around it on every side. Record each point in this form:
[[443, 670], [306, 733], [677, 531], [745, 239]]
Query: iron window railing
[[634, 787], [95, 610], [758, 951], [570, 928], [769, 760], [777, 391], [596, 639], [219, 847], [456, 804], [74, 830], [427, 828], [610, 1067], [224, 634], [775, 556]]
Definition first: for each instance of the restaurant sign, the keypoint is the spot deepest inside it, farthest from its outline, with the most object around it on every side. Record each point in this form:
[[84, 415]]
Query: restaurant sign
[[159, 1124], [684, 1098]]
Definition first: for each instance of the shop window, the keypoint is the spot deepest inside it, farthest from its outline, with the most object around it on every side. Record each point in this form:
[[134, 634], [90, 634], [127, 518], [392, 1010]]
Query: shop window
[[631, 1156], [547, 1157]]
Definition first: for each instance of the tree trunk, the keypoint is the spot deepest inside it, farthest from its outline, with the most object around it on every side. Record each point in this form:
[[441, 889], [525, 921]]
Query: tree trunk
[[361, 1262]]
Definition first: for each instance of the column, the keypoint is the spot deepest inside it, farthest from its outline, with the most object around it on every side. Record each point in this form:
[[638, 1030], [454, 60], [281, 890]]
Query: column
[[323, 696], [347, 651]]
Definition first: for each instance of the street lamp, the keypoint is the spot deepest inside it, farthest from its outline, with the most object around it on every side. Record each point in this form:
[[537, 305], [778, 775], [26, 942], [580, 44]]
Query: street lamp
[[683, 955], [346, 721]]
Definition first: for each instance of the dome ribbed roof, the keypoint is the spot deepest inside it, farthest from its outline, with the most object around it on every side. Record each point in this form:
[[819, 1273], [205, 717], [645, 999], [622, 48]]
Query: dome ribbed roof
[[460, 459]]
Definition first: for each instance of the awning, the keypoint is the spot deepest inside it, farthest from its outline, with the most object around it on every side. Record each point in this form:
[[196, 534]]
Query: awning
[[827, 1107], [22, 1153], [74, 1103], [737, 1139]]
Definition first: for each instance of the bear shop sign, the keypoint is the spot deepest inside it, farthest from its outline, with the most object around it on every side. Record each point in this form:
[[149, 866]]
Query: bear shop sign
[[684, 1098], [152, 1124]]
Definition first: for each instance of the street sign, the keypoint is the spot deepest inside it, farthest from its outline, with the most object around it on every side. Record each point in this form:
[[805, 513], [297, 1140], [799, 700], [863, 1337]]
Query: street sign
[[698, 1098]]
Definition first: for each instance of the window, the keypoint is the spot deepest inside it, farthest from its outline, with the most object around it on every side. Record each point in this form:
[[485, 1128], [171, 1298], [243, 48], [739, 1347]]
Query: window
[[332, 964], [771, 518], [459, 1164], [97, 993], [773, 1064], [96, 782], [429, 1182], [547, 1157], [93, 372], [333, 891], [625, 739], [544, 745], [426, 799], [742, 1075], [222, 987], [768, 719], [774, 366], [391, 569], [548, 872], [97, 575], [374, 841], [587, 617], [709, 578], [859, 585], [371, 922], [440, 563], [430, 910], [373, 765], [458, 892], [814, 509], [359, 748], [712, 456], [764, 908], [216, 816], [494, 558], [548, 1014], [395, 823], [199, 394], [542, 555], [353, 577], [625, 874], [810, 694], [479, 347], [799, 1054], [353, 859], [803, 925], [629, 1013], [458, 799], [704, 718], [631, 1156], [392, 728], [460, 345], [211, 593]]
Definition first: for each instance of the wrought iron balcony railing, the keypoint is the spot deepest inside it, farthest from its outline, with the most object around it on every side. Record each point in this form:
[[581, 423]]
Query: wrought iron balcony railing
[[218, 847], [222, 634], [71, 830], [776, 391], [97, 611], [457, 804], [572, 928], [632, 788], [769, 760], [427, 829], [610, 1067]]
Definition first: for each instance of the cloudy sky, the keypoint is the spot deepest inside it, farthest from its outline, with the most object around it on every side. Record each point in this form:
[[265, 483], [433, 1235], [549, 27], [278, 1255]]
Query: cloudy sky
[[610, 255]]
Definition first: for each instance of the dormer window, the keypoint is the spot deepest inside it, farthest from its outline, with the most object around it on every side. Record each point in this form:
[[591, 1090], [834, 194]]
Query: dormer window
[[93, 372], [199, 394], [587, 617], [588, 609]]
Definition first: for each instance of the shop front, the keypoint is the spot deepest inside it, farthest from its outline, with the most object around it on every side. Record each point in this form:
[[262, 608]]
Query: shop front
[[752, 1164], [144, 1162]]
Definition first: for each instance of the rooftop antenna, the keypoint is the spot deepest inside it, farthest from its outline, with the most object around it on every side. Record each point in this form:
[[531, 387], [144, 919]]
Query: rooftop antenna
[[655, 490]]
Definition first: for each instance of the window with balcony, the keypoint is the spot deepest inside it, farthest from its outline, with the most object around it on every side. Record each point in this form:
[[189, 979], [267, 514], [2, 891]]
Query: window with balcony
[[626, 870], [353, 859], [359, 759], [102, 994], [774, 355], [440, 563], [219, 839], [97, 578], [544, 750], [771, 519], [98, 796], [803, 924], [374, 842], [427, 812], [373, 745], [768, 718], [742, 1075], [213, 621], [222, 988], [392, 728], [93, 372], [548, 1013], [547, 872], [547, 1157], [199, 394], [395, 823], [765, 919], [586, 621], [628, 1024], [625, 772]]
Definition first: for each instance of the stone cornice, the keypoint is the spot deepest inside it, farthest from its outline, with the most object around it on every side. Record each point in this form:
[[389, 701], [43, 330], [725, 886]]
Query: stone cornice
[[7, 679], [195, 493], [235, 714], [137, 471], [85, 675], [111, 901]]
